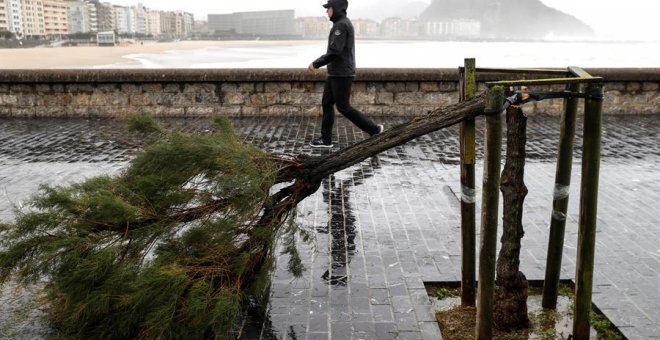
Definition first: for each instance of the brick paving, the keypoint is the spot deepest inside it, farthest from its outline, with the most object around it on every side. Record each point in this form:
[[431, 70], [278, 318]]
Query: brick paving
[[387, 225]]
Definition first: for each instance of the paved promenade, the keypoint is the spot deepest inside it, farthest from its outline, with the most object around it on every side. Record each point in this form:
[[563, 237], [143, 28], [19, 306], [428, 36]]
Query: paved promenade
[[390, 223]]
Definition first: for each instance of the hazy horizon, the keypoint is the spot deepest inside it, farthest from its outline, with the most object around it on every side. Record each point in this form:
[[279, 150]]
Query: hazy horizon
[[610, 19]]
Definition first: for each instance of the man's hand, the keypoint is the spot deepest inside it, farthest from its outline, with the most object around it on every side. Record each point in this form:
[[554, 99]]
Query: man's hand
[[311, 67]]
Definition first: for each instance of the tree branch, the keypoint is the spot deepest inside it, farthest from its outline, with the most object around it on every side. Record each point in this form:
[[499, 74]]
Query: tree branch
[[316, 168]]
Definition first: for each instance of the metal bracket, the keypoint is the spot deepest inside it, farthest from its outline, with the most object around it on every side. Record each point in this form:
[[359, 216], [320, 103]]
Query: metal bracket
[[522, 97], [519, 96]]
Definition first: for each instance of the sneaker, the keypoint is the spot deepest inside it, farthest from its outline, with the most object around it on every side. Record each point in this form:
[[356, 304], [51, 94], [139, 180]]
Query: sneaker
[[320, 143], [381, 128]]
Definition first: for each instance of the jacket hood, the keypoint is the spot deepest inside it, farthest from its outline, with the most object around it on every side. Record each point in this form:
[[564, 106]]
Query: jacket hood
[[339, 6]]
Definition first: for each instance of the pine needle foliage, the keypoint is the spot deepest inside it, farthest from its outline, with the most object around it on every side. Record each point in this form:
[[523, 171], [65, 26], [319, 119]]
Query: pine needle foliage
[[170, 248], [175, 245]]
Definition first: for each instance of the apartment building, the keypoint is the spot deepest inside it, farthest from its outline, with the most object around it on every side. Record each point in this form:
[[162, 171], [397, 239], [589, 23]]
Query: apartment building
[[365, 28], [82, 16], [14, 17], [452, 28], [125, 19], [222, 23], [140, 19], [264, 23], [177, 24], [399, 28], [55, 17], [4, 25], [260, 23], [153, 22], [313, 27], [168, 23], [105, 16], [185, 22], [33, 18], [201, 27]]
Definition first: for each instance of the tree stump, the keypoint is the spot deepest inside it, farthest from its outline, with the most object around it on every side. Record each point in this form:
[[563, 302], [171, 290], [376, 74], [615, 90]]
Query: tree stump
[[510, 308]]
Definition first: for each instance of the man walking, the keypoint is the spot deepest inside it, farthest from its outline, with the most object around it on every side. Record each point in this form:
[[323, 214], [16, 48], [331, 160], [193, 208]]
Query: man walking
[[340, 58]]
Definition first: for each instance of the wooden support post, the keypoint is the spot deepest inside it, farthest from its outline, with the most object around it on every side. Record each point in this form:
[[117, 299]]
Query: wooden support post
[[560, 201], [584, 272], [468, 193], [489, 209]]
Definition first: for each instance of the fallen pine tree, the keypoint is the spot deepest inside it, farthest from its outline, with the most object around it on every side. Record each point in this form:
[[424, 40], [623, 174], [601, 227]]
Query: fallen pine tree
[[176, 244]]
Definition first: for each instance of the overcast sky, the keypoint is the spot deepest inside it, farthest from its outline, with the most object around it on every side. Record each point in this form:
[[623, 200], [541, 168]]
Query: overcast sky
[[611, 19]]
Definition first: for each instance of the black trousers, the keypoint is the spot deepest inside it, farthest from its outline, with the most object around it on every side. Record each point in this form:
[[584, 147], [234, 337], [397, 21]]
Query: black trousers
[[337, 92]]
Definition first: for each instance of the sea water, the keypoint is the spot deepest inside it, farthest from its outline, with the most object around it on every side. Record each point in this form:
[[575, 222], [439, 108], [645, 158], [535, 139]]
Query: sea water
[[410, 54]]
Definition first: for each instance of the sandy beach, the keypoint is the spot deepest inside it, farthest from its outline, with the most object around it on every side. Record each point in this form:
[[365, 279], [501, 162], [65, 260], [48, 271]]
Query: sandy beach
[[95, 56], [299, 53]]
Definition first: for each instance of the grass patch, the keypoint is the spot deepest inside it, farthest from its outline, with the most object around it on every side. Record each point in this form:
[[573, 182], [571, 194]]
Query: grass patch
[[458, 322]]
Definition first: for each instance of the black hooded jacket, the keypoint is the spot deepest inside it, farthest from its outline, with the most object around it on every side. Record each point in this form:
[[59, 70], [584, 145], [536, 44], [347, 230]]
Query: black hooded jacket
[[340, 56]]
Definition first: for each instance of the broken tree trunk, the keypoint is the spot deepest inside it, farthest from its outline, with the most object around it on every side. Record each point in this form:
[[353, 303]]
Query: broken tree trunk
[[305, 173], [510, 310], [317, 168]]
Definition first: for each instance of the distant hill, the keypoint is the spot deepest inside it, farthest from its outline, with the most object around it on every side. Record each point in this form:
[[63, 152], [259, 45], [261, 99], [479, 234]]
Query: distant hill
[[387, 9], [510, 19]]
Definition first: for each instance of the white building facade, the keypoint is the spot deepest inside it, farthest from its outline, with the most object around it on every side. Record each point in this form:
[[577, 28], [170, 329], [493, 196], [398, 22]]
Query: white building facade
[[56, 17], [14, 17], [261, 23], [153, 23], [313, 27], [82, 17], [464, 28], [125, 20]]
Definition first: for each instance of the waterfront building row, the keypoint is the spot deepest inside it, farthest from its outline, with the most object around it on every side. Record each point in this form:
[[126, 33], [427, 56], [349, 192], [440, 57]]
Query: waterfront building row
[[56, 17], [284, 23], [42, 18]]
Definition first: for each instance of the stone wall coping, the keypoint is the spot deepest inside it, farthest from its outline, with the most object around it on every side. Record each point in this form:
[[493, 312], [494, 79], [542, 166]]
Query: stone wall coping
[[287, 75]]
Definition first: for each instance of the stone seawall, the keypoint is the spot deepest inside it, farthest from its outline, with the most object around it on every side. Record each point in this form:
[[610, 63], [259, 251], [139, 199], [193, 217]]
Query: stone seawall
[[263, 92]]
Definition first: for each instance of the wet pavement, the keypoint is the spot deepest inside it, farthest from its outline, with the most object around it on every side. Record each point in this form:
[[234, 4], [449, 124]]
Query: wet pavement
[[386, 226]]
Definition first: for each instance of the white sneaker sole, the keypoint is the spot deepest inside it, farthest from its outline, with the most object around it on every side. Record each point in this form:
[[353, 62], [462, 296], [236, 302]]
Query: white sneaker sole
[[323, 146]]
